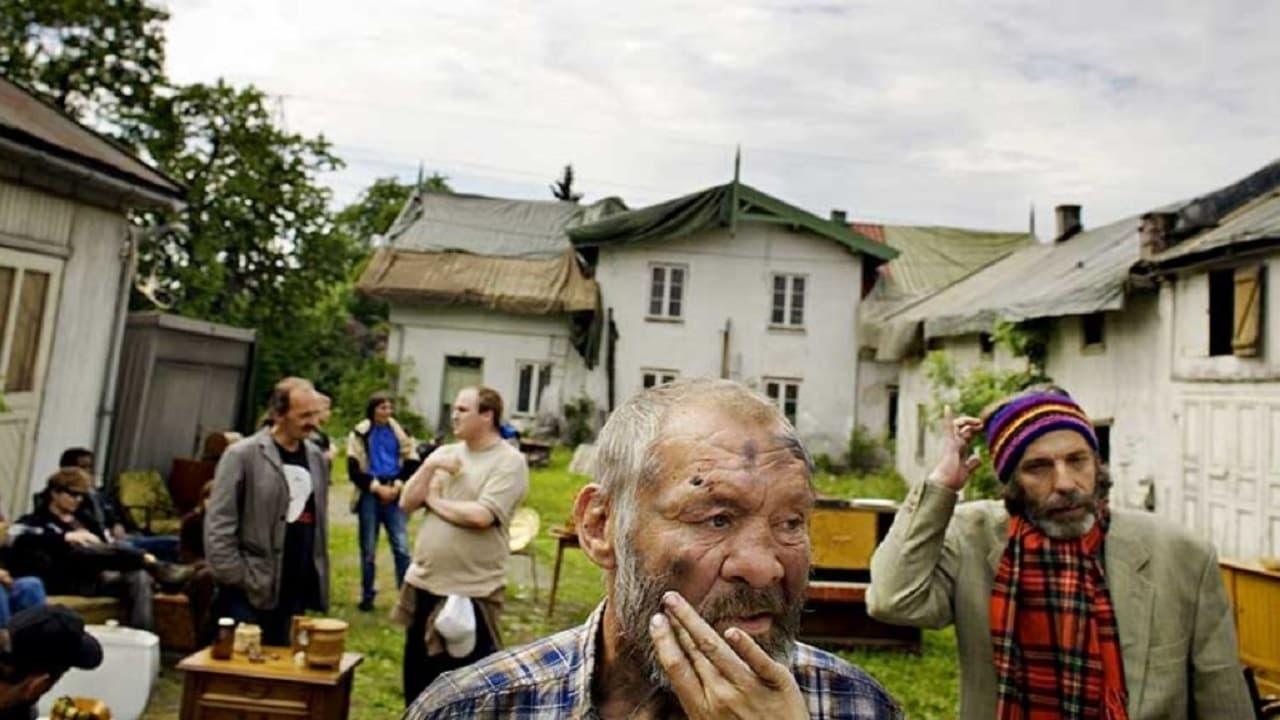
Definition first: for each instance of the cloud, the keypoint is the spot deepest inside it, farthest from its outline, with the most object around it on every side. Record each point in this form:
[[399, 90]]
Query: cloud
[[924, 112]]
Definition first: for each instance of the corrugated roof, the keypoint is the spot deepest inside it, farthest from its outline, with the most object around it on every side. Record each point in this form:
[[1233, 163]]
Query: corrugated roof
[[719, 206], [440, 222], [26, 119], [1084, 274], [1256, 222], [932, 258]]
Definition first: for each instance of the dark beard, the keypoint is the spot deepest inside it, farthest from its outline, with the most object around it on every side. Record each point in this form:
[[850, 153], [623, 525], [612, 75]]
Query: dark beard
[[639, 597]]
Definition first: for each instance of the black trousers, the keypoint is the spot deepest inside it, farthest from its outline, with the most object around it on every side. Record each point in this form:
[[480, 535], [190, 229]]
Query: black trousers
[[420, 670]]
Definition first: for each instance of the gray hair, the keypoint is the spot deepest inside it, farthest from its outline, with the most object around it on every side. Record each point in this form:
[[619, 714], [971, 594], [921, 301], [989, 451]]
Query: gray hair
[[625, 448]]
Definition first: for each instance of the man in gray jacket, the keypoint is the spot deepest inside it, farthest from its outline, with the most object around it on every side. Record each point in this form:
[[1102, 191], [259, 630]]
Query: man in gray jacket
[[265, 531], [1063, 607]]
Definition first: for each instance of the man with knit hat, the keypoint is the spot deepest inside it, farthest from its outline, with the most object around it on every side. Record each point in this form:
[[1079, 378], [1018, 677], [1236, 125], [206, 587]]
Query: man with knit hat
[[1063, 607]]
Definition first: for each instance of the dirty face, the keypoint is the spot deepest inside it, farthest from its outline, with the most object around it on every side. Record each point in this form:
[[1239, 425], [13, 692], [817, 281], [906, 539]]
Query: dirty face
[[725, 524], [1057, 479]]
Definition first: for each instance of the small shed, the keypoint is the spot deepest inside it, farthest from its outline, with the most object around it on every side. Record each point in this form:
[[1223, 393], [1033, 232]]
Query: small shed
[[180, 379]]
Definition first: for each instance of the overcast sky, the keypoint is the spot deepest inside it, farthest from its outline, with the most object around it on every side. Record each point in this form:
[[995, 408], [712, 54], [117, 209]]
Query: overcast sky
[[949, 112]]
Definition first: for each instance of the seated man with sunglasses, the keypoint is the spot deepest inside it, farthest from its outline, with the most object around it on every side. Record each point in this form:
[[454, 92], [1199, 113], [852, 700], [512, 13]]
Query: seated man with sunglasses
[[54, 545]]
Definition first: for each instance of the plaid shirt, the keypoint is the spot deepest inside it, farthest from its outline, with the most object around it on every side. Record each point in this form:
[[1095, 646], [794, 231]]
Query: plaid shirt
[[551, 678]]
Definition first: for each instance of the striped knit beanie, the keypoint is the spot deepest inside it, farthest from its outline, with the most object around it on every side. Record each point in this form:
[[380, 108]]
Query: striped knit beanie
[[1015, 425]]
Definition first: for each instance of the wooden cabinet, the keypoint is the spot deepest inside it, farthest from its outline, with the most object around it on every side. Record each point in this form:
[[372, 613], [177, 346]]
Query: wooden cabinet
[[1255, 600], [275, 689]]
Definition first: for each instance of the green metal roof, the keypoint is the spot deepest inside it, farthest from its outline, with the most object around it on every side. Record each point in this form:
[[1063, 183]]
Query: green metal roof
[[719, 206]]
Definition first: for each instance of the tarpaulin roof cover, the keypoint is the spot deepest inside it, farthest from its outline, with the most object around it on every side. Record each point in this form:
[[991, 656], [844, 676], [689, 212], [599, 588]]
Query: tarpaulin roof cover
[[516, 285], [27, 119], [931, 258], [722, 205], [437, 222], [1083, 274]]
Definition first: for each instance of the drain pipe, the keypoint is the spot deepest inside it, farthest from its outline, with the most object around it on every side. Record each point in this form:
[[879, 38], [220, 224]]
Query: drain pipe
[[110, 379]]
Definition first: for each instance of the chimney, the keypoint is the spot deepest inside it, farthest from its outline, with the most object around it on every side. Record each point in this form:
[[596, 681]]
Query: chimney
[[839, 216], [1068, 221], [1155, 233]]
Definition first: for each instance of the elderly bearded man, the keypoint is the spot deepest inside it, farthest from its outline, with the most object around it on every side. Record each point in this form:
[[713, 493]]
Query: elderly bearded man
[[1063, 607], [699, 519]]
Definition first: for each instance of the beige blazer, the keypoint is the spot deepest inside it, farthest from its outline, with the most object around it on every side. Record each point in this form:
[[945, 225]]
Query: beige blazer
[[1177, 636]]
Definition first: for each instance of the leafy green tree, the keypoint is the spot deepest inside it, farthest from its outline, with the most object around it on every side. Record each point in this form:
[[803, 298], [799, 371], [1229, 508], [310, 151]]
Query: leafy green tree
[[261, 249], [101, 62], [968, 393]]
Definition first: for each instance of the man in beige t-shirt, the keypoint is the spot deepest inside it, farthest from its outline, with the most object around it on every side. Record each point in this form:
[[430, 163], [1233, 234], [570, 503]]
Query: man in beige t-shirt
[[470, 490]]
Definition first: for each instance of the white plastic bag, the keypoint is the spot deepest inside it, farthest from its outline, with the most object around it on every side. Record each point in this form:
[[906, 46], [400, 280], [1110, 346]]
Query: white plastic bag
[[456, 623]]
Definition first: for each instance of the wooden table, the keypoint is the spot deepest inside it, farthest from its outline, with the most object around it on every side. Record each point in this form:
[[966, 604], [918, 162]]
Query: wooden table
[[566, 537], [270, 690]]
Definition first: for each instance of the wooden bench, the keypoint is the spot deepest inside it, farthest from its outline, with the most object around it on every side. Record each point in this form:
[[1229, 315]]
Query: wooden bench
[[843, 534], [92, 610], [172, 614]]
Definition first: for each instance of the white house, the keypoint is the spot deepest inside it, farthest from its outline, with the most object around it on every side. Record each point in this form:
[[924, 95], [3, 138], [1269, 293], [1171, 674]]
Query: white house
[[930, 258], [488, 290], [726, 282], [66, 261], [1149, 327]]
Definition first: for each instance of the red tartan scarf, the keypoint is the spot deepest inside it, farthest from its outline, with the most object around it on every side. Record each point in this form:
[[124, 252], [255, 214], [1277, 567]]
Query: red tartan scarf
[[1057, 653]]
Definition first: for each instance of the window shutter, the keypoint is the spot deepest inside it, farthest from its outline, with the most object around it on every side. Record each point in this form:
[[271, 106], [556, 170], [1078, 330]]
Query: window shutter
[[1247, 325]]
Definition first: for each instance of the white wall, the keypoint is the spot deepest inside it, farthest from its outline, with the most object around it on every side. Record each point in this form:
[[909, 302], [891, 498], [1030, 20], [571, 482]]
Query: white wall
[[86, 241], [729, 279], [1223, 467], [422, 337], [1123, 383], [875, 380], [82, 337]]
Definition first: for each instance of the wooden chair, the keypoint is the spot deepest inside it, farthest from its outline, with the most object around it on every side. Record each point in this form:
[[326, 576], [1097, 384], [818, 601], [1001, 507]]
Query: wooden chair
[[524, 528]]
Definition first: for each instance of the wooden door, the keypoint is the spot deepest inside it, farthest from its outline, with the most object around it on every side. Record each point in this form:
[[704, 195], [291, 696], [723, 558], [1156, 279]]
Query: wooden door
[[29, 285], [459, 372]]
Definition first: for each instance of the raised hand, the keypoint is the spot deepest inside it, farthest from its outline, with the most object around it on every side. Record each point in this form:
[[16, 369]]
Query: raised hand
[[957, 461], [721, 677]]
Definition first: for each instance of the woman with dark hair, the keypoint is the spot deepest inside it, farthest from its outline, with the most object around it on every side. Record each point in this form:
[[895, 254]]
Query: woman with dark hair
[[377, 451]]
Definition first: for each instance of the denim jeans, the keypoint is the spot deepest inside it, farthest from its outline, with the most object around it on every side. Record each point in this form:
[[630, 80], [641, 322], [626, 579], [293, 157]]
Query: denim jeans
[[373, 513], [164, 547], [26, 592]]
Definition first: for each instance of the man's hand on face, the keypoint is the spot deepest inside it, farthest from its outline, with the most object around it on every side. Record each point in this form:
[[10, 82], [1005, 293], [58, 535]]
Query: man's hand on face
[[957, 460], [82, 538], [721, 677]]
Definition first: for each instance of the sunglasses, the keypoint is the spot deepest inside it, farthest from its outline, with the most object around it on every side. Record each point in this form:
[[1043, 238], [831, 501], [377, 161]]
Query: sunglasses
[[72, 493]]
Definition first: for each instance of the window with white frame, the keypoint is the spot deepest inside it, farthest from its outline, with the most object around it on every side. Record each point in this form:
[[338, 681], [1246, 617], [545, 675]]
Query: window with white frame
[[786, 395], [533, 380], [666, 290], [788, 300], [650, 377]]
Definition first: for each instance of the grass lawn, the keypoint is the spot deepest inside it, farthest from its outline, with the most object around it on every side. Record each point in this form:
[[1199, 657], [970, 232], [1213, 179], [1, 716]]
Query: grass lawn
[[925, 684]]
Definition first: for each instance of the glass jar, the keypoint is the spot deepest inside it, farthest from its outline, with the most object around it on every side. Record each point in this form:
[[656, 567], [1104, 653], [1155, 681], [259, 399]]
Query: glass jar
[[225, 640]]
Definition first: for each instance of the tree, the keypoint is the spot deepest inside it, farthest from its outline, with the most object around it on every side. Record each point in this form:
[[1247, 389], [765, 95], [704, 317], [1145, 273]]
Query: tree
[[100, 62], [562, 189], [261, 248]]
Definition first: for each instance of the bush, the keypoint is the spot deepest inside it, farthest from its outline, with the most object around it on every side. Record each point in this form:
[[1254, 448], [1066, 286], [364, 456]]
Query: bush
[[866, 453], [968, 394], [579, 421]]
